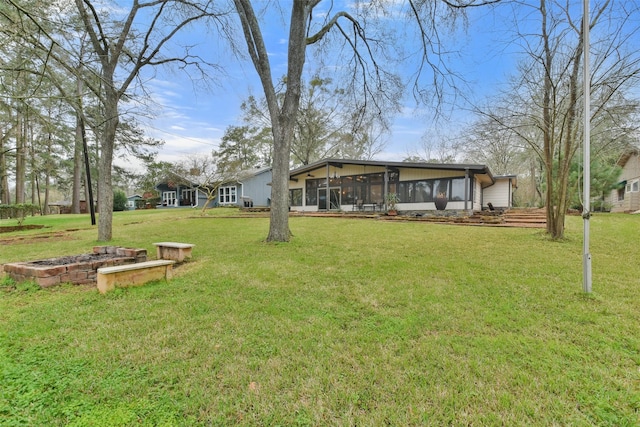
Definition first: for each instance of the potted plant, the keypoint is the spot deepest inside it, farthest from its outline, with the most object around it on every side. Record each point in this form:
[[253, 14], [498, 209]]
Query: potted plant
[[441, 201], [392, 201]]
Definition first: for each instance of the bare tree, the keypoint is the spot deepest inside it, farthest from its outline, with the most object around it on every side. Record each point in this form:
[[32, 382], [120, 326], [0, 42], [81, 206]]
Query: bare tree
[[543, 107], [202, 171], [434, 149], [121, 58], [359, 48], [122, 42]]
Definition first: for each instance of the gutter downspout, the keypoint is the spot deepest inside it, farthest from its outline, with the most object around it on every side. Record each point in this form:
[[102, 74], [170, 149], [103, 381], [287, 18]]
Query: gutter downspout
[[466, 189], [241, 193], [197, 199], [327, 200], [386, 186]]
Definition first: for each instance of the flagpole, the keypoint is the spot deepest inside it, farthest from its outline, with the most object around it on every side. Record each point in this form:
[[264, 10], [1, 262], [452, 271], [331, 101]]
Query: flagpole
[[586, 146]]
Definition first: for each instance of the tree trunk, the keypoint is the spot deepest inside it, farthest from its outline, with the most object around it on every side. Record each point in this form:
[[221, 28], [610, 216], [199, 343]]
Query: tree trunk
[[279, 223], [78, 153], [20, 156], [555, 222], [105, 161], [77, 168], [284, 121], [5, 195]]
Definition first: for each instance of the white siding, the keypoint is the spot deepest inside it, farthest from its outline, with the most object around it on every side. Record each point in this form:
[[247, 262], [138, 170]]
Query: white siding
[[477, 195], [631, 174], [499, 194]]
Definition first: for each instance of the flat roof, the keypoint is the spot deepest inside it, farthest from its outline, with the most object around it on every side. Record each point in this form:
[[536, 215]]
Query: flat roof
[[475, 168]]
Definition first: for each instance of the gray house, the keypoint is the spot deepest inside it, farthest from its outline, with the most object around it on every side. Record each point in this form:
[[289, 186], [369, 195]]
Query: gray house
[[250, 188], [133, 201], [181, 193]]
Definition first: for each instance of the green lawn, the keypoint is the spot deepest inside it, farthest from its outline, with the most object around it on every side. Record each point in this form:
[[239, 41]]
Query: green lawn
[[355, 322]]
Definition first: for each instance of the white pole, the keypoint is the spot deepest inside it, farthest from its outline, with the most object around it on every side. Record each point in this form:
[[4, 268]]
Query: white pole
[[586, 172]]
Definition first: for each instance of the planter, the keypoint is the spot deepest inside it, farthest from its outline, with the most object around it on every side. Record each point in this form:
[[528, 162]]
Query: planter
[[441, 203], [392, 212]]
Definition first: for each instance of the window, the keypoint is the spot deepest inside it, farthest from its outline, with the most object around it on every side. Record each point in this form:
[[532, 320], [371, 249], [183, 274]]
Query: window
[[312, 186], [620, 194], [295, 197], [367, 187], [427, 190], [634, 186], [227, 195]]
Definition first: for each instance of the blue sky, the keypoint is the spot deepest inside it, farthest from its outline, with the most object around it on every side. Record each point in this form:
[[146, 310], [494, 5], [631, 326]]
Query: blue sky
[[191, 119]]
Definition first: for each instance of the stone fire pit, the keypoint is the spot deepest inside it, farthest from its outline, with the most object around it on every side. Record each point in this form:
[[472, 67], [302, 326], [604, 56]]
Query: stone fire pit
[[76, 269]]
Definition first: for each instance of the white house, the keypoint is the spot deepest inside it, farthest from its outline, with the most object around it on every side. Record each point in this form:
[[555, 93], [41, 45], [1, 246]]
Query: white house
[[334, 184]]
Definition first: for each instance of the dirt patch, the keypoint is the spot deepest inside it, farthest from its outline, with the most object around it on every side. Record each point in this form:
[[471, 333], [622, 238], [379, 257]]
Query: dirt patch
[[38, 238], [12, 228]]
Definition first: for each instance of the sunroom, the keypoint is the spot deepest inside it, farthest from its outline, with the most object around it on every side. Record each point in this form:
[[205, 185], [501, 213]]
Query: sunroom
[[363, 185]]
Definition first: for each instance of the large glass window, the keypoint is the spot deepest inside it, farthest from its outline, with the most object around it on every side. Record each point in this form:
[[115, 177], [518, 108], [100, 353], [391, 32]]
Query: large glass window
[[427, 190], [227, 195], [311, 187], [369, 188], [295, 197]]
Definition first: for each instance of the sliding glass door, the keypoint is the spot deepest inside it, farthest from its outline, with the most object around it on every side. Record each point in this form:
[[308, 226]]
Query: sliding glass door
[[333, 202]]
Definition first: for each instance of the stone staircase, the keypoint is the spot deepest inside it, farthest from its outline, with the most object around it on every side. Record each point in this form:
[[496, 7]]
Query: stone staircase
[[525, 217]]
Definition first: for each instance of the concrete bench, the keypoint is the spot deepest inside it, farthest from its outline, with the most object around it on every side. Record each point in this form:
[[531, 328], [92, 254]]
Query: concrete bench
[[133, 274], [173, 250]]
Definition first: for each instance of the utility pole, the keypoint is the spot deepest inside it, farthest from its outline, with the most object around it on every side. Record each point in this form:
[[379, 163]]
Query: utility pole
[[586, 147]]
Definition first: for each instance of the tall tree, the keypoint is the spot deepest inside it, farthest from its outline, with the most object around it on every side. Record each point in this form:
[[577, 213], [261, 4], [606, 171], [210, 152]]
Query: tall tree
[[543, 107], [122, 41], [360, 49], [123, 49], [328, 124], [244, 147]]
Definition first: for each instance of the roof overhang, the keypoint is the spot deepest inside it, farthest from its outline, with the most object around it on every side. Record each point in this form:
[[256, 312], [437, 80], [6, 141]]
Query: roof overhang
[[474, 169]]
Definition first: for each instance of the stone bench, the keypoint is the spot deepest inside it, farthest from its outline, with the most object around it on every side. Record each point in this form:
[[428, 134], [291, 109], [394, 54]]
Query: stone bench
[[173, 250], [133, 274]]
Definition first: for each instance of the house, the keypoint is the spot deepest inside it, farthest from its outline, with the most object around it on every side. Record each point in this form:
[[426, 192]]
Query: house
[[134, 202], [179, 192], [363, 184], [249, 188], [626, 196]]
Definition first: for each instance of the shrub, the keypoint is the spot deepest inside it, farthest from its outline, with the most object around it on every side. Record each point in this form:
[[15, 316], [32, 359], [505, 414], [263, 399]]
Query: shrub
[[119, 201], [18, 211]]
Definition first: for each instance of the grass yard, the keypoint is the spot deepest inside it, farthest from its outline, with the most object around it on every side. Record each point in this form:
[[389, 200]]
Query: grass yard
[[355, 322]]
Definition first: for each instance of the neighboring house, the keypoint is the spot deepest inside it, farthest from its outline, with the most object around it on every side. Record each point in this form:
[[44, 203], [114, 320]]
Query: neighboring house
[[133, 201], [362, 184], [251, 188], [181, 193], [626, 196]]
